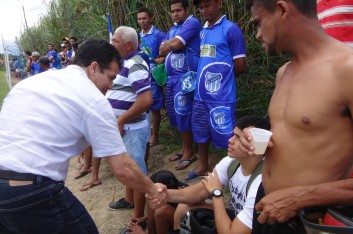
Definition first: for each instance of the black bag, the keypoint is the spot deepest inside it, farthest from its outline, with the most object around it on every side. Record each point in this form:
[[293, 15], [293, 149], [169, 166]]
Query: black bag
[[198, 221]]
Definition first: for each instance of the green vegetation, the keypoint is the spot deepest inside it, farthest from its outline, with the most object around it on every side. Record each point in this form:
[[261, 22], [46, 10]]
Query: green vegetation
[[86, 18], [4, 88]]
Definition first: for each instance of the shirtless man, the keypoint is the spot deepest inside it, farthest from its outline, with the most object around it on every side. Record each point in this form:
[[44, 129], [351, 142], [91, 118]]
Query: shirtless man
[[311, 152]]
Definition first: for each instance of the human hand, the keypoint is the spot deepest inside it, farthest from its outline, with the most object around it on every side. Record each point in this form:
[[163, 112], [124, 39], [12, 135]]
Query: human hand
[[279, 206], [245, 145], [121, 126], [211, 182], [158, 199]]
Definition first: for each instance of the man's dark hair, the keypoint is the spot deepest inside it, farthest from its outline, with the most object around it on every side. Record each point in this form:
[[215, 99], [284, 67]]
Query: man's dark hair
[[184, 3], [254, 121], [45, 61], [165, 177], [306, 7], [99, 51], [51, 44], [29, 53], [74, 38], [146, 10], [75, 45]]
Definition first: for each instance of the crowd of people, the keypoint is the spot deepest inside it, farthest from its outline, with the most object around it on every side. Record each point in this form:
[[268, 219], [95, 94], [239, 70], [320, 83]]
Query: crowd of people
[[106, 100]]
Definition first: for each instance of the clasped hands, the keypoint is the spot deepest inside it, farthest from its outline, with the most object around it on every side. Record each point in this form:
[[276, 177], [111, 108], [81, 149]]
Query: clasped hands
[[159, 198]]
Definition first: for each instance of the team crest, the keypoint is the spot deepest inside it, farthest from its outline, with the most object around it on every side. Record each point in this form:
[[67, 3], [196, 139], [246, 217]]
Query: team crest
[[177, 60], [182, 104], [221, 120], [213, 81]]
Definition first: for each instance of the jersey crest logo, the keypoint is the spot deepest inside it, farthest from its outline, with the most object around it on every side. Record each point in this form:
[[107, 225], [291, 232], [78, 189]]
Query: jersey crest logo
[[219, 118], [177, 60], [213, 81], [182, 101]]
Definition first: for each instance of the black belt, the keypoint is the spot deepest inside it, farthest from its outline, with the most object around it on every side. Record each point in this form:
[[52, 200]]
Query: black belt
[[12, 175]]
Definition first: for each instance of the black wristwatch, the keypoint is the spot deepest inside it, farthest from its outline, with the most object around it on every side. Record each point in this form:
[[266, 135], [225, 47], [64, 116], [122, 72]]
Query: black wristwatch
[[217, 193]]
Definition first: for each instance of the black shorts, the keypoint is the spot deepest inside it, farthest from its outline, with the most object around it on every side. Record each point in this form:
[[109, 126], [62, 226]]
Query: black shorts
[[292, 226]]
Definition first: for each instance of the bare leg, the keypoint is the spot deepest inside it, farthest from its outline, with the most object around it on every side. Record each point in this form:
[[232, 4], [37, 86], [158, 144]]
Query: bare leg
[[94, 179], [156, 121], [147, 154], [129, 195], [186, 138], [152, 229], [140, 201], [202, 168], [183, 208], [164, 217]]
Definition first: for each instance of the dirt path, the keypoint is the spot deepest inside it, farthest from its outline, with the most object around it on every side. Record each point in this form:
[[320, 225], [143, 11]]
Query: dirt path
[[96, 200]]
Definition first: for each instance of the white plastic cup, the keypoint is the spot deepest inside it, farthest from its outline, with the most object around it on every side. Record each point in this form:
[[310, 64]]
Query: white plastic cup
[[260, 139]]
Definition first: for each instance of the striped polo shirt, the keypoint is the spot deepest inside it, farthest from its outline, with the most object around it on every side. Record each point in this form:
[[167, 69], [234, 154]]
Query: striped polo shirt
[[336, 17], [132, 80]]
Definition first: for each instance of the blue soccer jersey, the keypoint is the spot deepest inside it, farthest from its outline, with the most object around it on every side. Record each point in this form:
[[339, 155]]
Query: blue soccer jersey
[[35, 68], [54, 55], [151, 42], [220, 45], [189, 34]]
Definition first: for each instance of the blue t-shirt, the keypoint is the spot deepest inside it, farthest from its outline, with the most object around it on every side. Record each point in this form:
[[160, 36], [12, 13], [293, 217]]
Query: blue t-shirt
[[189, 34], [54, 55], [35, 68], [151, 42], [220, 45]]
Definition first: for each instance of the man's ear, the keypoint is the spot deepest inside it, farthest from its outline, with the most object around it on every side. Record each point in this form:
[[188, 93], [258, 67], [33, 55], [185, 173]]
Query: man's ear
[[284, 8], [93, 68]]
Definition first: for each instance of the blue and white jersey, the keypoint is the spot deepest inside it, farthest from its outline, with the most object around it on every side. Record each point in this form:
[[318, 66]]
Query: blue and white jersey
[[132, 80], [35, 68], [189, 34], [151, 42], [54, 55], [220, 45]]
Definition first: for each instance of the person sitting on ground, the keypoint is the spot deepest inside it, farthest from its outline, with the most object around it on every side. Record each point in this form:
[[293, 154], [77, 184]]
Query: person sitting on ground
[[160, 220], [242, 197]]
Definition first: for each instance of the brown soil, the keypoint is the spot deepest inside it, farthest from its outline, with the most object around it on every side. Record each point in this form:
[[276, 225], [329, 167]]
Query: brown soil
[[96, 199]]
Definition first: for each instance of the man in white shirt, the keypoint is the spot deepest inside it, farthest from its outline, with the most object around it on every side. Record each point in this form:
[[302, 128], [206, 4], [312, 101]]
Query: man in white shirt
[[62, 113]]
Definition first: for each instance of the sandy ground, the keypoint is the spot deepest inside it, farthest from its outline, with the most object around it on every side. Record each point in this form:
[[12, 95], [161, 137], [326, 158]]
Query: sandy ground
[[96, 199]]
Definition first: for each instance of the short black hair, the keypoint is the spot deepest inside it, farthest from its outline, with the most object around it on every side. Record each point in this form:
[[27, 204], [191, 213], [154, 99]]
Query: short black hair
[[44, 60], [254, 121], [306, 7], [184, 3], [146, 10], [165, 177], [99, 51], [51, 44], [75, 45], [74, 38], [29, 53]]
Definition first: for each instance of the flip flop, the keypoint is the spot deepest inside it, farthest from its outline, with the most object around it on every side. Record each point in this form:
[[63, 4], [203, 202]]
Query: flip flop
[[186, 163], [175, 157], [82, 174], [87, 186], [192, 176]]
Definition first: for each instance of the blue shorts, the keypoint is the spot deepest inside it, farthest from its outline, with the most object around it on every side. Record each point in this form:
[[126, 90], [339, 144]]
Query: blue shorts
[[213, 122], [179, 105], [157, 96], [135, 142]]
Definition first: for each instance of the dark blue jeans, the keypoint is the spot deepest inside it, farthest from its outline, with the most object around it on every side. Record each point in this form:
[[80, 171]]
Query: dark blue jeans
[[43, 207]]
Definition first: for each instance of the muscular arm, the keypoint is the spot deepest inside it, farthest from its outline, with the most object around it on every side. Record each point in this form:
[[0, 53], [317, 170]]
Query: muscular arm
[[194, 194], [128, 173], [170, 45], [239, 65], [142, 103], [285, 203]]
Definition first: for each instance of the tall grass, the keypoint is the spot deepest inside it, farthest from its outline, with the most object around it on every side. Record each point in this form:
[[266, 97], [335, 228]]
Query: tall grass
[[4, 88]]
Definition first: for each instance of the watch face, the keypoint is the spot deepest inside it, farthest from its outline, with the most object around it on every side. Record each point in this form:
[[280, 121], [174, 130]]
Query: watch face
[[217, 192]]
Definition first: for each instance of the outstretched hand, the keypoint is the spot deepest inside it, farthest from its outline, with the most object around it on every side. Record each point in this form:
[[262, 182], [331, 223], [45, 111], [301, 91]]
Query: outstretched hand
[[158, 199], [279, 206]]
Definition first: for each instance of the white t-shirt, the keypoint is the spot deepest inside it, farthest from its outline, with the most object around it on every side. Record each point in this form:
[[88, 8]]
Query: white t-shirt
[[243, 205], [47, 119]]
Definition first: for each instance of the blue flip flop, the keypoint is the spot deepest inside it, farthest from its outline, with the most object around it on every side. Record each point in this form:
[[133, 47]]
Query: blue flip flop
[[192, 176], [187, 163]]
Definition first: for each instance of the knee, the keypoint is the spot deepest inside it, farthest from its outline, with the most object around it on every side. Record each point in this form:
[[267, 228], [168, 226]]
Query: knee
[[180, 212]]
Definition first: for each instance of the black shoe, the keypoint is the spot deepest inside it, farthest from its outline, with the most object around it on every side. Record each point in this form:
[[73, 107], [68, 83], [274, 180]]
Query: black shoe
[[121, 204]]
